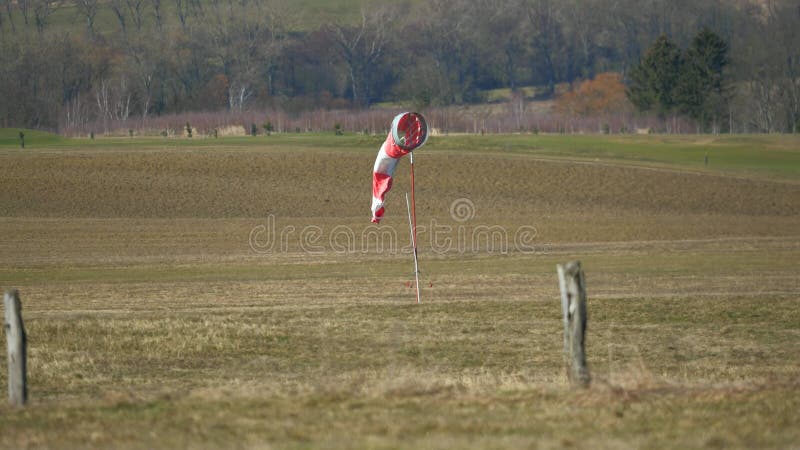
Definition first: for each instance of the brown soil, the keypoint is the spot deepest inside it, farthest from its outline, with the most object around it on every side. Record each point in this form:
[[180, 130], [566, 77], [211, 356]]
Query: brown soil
[[227, 184]]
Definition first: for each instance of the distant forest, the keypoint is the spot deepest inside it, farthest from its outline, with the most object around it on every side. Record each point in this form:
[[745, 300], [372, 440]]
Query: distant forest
[[72, 66]]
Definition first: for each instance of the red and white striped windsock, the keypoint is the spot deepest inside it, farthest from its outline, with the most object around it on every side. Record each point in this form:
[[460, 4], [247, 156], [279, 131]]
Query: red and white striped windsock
[[409, 131]]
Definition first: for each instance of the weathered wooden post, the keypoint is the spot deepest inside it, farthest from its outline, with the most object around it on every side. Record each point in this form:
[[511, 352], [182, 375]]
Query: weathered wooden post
[[17, 349], [573, 306]]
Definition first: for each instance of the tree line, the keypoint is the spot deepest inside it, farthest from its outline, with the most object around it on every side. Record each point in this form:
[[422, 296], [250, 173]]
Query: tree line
[[123, 60]]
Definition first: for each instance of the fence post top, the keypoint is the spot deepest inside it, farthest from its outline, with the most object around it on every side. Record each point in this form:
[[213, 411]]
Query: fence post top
[[10, 297], [570, 268]]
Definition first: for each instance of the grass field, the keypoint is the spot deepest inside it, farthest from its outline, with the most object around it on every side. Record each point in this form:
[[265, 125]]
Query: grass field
[[231, 293]]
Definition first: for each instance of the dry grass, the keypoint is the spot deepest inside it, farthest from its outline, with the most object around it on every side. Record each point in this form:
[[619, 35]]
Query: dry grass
[[153, 323]]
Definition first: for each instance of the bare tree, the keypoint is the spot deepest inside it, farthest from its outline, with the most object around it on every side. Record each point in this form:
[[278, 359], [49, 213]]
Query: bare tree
[[113, 101], [440, 77], [182, 8], [583, 18], [767, 59], [136, 13], [765, 100], [195, 7], [42, 10], [89, 10], [506, 29], [547, 38], [10, 16], [157, 14], [25, 9], [786, 21], [75, 113], [142, 71], [238, 95], [122, 106], [279, 17], [147, 83], [120, 11], [361, 47]]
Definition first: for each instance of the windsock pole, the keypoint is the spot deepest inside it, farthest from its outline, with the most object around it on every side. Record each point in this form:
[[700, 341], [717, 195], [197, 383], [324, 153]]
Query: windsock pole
[[413, 204], [411, 225], [414, 227]]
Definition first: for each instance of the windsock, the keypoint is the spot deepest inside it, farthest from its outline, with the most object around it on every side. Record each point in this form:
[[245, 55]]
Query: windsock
[[409, 131]]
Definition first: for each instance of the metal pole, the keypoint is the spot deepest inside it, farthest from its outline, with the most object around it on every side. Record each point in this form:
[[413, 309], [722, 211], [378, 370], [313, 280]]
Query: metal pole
[[414, 219], [414, 246]]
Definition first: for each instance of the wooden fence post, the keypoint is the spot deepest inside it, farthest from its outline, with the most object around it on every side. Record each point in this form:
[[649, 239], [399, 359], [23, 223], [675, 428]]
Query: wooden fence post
[[573, 306], [17, 349]]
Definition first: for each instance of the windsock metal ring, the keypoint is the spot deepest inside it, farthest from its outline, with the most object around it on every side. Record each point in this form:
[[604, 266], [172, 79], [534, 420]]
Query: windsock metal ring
[[409, 130]]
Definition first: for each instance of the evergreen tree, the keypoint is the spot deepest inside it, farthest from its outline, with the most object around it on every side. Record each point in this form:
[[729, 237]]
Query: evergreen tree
[[702, 93], [654, 82]]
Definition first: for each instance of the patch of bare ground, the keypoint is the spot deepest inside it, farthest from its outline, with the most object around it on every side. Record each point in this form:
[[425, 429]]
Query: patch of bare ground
[[227, 184]]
